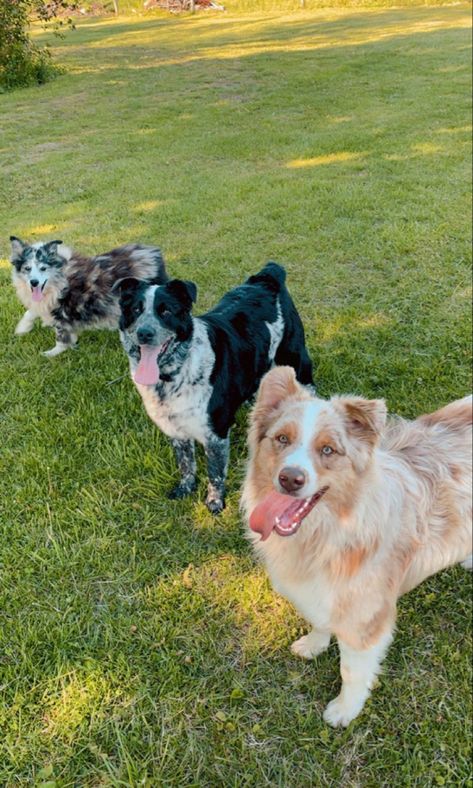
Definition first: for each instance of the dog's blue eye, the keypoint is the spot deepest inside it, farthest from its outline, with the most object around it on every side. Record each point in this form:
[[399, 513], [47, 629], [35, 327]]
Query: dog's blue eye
[[282, 439], [327, 450]]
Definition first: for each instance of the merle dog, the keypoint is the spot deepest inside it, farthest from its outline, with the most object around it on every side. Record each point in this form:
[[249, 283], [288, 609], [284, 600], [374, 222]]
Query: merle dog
[[193, 373], [71, 292]]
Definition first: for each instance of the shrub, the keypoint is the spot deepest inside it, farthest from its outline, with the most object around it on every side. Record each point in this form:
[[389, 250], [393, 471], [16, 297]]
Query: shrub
[[23, 63]]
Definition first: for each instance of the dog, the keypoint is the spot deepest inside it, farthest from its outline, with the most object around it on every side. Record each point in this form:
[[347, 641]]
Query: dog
[[71, 292], [193, 373], [348, 512]]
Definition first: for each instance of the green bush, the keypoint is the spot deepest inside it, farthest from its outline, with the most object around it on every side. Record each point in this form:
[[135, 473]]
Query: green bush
[[23, 63]]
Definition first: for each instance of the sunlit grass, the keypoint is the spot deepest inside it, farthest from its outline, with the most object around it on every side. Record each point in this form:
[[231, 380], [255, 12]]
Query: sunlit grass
[[139, 642], [329, 158]]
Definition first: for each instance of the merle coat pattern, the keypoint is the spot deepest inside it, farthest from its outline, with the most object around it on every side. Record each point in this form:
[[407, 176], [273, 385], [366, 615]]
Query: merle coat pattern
[[194, 373], [71, 292]]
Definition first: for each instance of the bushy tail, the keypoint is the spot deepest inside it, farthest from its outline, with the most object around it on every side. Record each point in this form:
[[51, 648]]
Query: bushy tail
[[456, 414], [161, 273], [273, 275], [149, 264]]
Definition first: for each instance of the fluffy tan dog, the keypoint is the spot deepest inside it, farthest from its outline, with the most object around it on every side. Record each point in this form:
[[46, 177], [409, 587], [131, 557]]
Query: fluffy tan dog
[[348, 513]]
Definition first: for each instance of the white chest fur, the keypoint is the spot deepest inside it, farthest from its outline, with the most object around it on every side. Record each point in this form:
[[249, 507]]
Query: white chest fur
[[41, 309], [180, 408], [313, 598]]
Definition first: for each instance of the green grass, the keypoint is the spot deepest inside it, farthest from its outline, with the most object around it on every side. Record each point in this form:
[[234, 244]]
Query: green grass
[[336, 142]]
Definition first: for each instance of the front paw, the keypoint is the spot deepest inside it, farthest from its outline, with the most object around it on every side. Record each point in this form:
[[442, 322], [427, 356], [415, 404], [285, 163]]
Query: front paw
[[215, 505], [55, 351], [181, 491], [339, 713], [20, 330], [310, 645]]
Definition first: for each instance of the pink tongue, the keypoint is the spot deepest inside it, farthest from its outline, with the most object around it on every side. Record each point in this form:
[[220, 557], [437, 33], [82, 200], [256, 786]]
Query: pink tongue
[[147, 371], [263, 517], [37, 293]]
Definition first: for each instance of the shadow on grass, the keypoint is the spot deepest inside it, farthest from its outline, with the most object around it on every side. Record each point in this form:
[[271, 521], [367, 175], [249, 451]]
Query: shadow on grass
[[268, 28]]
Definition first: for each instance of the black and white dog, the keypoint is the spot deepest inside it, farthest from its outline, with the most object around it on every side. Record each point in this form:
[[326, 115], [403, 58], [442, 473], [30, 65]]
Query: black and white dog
[[71, 292], [193, 373]]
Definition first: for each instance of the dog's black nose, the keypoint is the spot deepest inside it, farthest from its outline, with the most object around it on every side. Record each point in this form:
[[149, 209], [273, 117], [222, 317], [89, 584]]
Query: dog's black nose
[[34, 282], [145, 335], [292, 479]]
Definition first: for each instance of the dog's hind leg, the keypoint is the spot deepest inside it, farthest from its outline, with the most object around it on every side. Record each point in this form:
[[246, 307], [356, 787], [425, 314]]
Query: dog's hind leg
[[359, 669], [26, 323], [65, 339], [217, 451], [185, 457]]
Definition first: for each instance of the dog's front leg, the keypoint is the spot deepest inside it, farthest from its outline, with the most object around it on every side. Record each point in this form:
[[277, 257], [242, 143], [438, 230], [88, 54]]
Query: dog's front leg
[[64, 340], [217, 451], [359, 669], [185, 457], [26, 323], [312, 644]]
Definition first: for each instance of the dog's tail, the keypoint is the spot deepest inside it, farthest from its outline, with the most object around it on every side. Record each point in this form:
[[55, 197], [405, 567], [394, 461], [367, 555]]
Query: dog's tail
[[458, 414], [147, 262], [161, 275], [272, 275]]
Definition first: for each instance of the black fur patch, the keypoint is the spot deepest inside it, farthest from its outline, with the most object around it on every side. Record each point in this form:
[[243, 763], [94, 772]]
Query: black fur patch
[[238, 332]]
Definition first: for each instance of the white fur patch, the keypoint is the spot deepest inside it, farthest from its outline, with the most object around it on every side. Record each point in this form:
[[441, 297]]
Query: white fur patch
[[26, 323], [300, 456], [359, 670], [181, 411], [276, 331]]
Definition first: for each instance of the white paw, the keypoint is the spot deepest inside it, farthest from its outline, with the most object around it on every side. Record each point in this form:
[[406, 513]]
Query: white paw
[[340, 714], [309, 646], [468, 563], [20, 330], [55, 351]]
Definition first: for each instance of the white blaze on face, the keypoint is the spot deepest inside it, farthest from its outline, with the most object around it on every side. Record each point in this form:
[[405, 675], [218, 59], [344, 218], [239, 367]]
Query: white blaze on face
[[301, 452], [148, 311], [37, 274]]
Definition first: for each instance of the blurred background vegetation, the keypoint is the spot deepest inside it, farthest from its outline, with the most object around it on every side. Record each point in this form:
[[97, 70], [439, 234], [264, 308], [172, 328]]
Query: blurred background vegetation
[[24, 63]]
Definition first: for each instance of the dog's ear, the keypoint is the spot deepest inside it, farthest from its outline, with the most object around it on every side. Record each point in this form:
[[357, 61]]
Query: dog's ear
[[185, 292], [17, 248], [51, 246], [51, 249], [364, 419], [128, 284], [277, 385]]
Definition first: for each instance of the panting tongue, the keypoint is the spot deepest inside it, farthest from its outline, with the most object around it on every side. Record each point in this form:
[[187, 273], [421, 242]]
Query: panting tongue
[[37, 293], [147, 371], [282, 512]]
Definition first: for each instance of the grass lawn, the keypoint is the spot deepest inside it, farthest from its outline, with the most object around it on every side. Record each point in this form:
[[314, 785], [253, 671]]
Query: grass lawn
[[140, 644]]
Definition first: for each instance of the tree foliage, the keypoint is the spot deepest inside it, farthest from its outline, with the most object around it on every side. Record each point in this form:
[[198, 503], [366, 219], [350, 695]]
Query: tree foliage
[[21, 61]]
